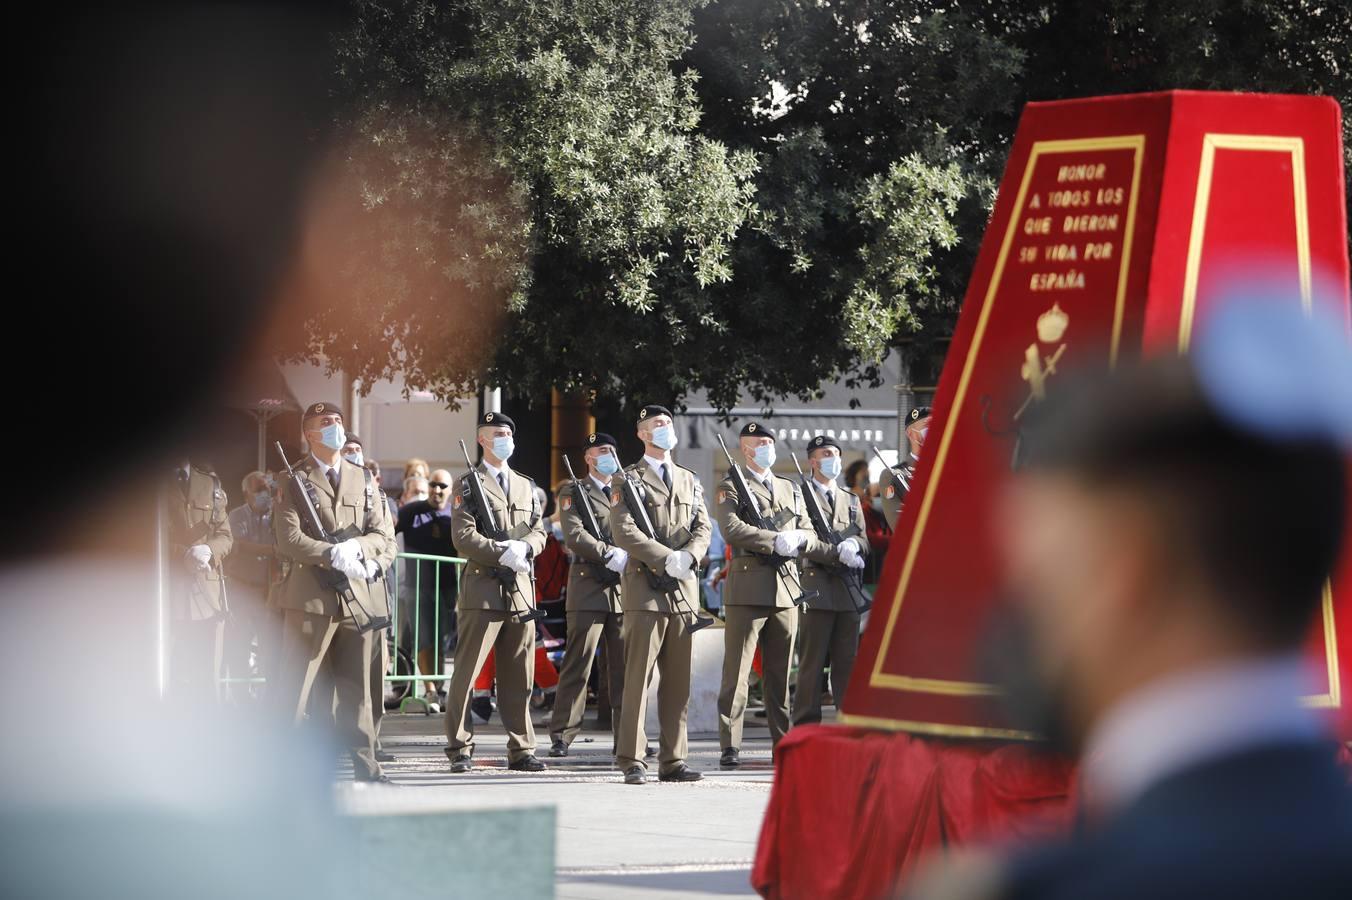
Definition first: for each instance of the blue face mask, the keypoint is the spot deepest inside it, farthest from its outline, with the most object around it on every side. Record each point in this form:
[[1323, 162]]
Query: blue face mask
[[503, 447], [355, 458], [333, 436], [607, 464], [830, 466], [764, 455], [263, 500], [664, 437]]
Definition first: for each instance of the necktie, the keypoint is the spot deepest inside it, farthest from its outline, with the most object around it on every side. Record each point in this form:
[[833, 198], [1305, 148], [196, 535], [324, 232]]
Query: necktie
[[502, 482], [831, 501], [183, 482], [333, 480], [606, 490], [666, 475]]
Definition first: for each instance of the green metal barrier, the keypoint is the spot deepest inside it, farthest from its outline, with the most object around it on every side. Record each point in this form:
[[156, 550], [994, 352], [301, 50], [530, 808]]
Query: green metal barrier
[[395, 633], [439, 574]]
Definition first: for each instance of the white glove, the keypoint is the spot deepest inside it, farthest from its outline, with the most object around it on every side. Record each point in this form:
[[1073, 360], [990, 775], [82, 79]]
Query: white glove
[[515, 557], [850, 546], [372, 570], [678, 564], [788, 543], [200, 554], [345, 557], [616, 559], [850, 557]]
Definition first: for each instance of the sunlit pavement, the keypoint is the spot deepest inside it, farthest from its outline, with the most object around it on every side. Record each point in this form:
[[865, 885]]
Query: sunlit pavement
[[613, 840]]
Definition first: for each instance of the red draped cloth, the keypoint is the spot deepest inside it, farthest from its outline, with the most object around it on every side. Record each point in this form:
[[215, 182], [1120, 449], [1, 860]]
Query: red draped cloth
[[852, 810]]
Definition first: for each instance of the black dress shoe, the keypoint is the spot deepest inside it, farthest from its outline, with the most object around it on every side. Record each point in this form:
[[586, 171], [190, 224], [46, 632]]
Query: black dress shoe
[[729, 759], [558, 748], [527, 763], [635, 774], [384, 756], [680, 773], [650, 752], [460, 761]]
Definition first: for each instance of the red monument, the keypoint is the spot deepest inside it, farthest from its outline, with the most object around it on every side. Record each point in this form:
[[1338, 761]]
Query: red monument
[[1118, 223]]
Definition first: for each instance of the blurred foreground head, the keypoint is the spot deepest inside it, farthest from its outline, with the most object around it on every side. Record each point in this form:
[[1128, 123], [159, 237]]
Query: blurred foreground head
[[1180, 514]]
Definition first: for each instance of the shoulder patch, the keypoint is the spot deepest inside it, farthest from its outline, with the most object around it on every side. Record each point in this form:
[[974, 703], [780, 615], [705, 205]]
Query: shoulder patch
[[566, 502], [890, 491], [459, 500]]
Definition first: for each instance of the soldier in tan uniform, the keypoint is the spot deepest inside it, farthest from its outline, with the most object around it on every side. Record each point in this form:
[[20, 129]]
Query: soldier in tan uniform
[[830, 623], [492, 602], [593, 599], [199, 539], [656, 621], [896, 483], [319, 630], [763, 586]]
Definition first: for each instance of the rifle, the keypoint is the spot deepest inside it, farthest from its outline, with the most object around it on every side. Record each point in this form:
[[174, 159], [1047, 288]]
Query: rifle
[[901, 475], [749, 511], [487, 524], [313, 526], [850, 578], [661, 581], [582, 500]]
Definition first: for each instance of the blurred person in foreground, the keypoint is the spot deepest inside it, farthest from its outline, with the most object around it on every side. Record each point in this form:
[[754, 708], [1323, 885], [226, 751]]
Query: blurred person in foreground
[[248, 567], [373, 467], [1167, 547], [858, 482], [186, 244]]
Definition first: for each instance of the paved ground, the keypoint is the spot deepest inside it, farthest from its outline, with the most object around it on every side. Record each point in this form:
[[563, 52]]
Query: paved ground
[[614, 840]]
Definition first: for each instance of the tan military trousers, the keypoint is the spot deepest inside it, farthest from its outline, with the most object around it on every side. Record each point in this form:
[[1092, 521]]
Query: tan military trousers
[[318, 649], [482, 630], [654, 639], [774, 628], [585, 629], [824, 632]]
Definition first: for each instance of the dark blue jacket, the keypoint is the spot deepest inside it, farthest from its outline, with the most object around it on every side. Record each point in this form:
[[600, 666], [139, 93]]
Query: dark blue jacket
[[1273, 821]]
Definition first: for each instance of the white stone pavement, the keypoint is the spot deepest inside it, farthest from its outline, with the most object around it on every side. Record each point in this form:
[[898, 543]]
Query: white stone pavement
[[612, 840]]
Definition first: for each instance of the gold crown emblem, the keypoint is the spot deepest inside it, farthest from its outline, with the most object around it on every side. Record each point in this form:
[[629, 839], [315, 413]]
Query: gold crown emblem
[[591, 438], [915, 414], [1052, 324], [488, 418], [643, 413], [319, 407], [751, 428]]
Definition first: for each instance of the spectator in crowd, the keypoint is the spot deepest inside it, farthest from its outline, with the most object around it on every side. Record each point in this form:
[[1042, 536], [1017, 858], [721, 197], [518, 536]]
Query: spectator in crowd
[[426, 528], [716, 570], [248, 567], [415, 488], [416, 467], [374, 468], [858, 482]]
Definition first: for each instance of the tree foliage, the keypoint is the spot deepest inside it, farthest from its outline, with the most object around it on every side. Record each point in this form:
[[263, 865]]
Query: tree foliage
[[646, 197]]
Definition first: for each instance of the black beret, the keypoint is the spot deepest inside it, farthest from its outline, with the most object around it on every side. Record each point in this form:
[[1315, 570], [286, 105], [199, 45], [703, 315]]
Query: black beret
[[600, 438], [322, 409], [651, 411], [920, 412], [756, 429], [353, 439], [821, 441], [497, 419]]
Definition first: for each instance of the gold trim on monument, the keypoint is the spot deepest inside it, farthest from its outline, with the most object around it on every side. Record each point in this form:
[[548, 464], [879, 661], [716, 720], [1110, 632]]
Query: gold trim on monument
[[878, 678], [1263, 143], [932, 728], [1211, 142]]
